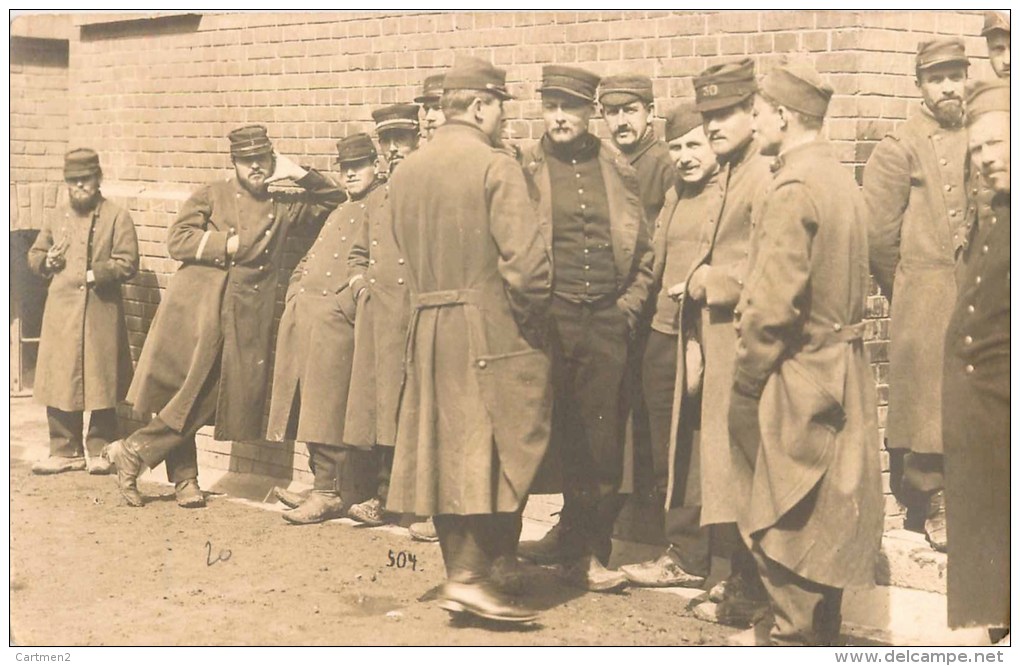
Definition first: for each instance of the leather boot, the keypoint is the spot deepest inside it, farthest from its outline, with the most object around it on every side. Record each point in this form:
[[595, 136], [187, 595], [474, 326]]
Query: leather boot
[[289, 498], [318, 508], [189, 495], [58, 464], [124, 456], [588, 573], [666, 571], [369, 512], [423, 531], [935, 523], [482, 600]]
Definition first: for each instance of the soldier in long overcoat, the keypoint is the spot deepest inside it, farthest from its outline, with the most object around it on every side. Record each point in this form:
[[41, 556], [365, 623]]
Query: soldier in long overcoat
[[474, 412], [802, 416], [916, 190], [315, 345], [86, 249], [975, 387], [206, 358]]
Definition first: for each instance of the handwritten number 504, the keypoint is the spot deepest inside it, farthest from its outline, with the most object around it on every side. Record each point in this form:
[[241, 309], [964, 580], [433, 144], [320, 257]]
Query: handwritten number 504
[[402, 560]]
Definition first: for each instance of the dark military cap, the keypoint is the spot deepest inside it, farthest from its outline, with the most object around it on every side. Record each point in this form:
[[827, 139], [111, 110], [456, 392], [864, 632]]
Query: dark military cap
[[396, 116], [941, 52], [431, 89], [355, 148], [994, 21], [624, 88], [726, 85], [682, 120], [470, 73], [797, 87], [249, 141], [81, 163], [572, 81], [986, 96]]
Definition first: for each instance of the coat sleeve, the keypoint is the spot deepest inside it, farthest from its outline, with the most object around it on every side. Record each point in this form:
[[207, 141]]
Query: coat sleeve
[[37, 253], [357, 258], [772, 305], [633, 299], [723, 283], [318, 200], [659, 239], [886, 195], [123, 262], [191, 240]]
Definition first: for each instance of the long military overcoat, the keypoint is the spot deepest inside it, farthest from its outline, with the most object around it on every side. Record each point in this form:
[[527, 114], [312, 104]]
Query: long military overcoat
[[914, 185], [475, 409], [812, 499], [315, 342], [84, 359], [219, 309]]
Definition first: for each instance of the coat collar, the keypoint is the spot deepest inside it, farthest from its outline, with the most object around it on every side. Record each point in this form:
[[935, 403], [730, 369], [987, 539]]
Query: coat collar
[[461, 128], [586, 147], [805, 152], [648, 139]]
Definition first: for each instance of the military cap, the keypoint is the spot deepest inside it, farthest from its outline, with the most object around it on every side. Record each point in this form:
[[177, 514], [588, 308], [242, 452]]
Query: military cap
[[470, 73], [994, 21], [396, 116], [986, 96], [624, 88], [81, 162], [431, 89], [355, 148], [797, 87], [940, 52], [722, 86], [682, 120], [249, 141], [572, 81]]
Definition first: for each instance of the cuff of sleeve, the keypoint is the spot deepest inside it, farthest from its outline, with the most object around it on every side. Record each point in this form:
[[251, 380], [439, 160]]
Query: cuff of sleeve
[[355, 279], [215, 250], [311, 180], [748, 385], [101, 273], [721, 287]]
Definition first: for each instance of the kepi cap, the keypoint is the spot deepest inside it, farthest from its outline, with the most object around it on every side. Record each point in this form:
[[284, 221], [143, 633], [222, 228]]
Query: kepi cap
[[941, 52], [396, 116], [80, 163], [994, 21], [431, 89], [726, 85], [797, 87], [624, 88], [355, 148], [986, 96], [249, 141], [572, 81], [470, 73], [682, 120]]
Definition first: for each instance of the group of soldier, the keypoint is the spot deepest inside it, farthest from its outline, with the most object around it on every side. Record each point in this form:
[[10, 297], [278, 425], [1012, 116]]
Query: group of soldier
[[474, 323]]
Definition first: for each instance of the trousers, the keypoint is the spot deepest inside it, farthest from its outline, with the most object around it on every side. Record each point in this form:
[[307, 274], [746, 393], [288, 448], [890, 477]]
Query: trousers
[[472, 543], [66, 431]]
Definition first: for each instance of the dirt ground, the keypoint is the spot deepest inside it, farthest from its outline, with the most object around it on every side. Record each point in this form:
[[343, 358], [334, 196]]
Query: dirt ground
[[88, 570]]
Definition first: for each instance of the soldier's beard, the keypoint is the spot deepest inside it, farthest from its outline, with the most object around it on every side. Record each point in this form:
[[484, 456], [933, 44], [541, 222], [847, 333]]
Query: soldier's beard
[[949, 112], [84, 204]]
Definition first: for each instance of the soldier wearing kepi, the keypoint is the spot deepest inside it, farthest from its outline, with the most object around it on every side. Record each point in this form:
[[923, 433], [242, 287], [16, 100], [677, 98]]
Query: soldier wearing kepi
[[86, 250], [673, 357], [996, 34], [915, 187], [802, 413], [315, 345], [377, 273], [474, 411], [432, 90], [975, 387], [206, 358], [591, 215]]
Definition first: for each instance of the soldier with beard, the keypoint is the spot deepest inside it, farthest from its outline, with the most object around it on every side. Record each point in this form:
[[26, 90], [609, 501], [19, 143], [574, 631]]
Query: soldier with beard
[[915, 186], [86, 250]]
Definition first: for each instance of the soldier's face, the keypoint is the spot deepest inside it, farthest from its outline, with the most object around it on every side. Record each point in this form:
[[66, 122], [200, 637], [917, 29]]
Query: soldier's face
[[433, 118], [768, 126], [627, 123], [728, 129], [566, 117], [998, 52], [694, 158], [398, 143], [358, 176], [988, 137], [253, 171], [942, 88], [490, 114], [83, 191]]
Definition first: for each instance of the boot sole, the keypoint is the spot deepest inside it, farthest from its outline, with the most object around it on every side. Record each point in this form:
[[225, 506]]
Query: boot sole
[[457, 607]]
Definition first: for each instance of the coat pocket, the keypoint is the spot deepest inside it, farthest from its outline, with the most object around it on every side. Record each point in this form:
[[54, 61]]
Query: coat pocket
[[346, 304]]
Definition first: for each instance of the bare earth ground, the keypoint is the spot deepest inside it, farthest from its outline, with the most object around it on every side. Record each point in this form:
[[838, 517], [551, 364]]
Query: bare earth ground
[[88, 570]]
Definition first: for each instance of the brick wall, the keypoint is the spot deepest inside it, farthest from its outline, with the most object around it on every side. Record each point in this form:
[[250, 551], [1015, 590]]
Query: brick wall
[[157, 96]]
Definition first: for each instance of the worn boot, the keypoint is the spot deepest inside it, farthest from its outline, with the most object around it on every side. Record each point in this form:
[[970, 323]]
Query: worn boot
[[289, 498], [483, 600], [588, 573], [369, 512], [318, 508], [124, 456], [59, 464], [423, 531], [99, 466], [935, 523], [189, 495], [744, 603], [547, 550], [666, 571]]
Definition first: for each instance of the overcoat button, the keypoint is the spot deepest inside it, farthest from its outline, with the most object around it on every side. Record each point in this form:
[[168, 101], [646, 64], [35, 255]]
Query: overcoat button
[[482, 364]]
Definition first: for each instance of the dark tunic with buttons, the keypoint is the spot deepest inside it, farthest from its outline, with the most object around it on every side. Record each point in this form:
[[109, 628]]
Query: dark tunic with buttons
[[218, 309], [975, 418], [914, 185], [381, 330], [315, 343], [656, 174], [84, 359]]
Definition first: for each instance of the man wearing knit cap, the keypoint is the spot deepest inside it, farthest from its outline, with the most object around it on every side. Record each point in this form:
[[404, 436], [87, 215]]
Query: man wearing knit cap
[[206, 357], [996, 34], [593, 220], [432, 90], [802, 412], [473, 420], [724, 95], [916, 190], [975, 386], [85, 250], [673, 357], [315, 348]]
